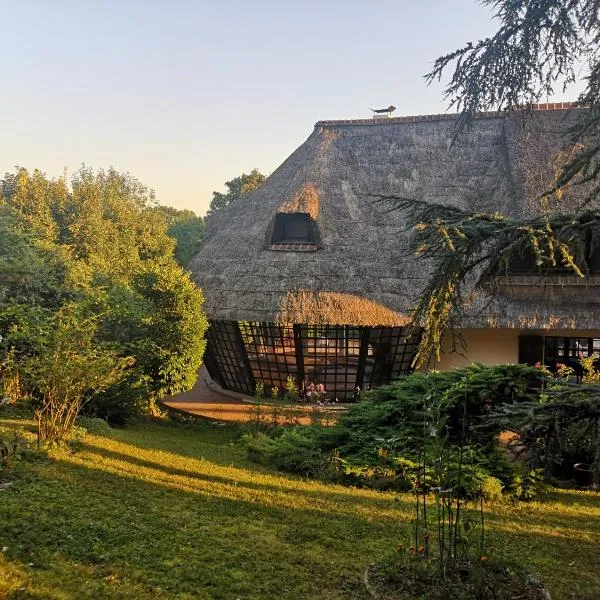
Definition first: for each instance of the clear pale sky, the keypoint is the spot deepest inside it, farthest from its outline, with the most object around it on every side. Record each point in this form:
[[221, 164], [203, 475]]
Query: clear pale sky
[[187, 95]]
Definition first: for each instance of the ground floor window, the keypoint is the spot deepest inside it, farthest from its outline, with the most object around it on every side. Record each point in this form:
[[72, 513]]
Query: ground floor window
[[571, 347], [550, 350]]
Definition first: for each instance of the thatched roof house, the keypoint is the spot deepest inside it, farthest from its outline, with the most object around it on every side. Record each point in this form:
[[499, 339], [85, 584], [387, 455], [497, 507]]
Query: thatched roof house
[[312, 245]]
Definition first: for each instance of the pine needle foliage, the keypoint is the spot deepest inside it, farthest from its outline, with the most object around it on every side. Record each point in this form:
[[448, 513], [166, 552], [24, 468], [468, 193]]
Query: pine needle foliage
[[558, 432], [463, 248], [540, 47]]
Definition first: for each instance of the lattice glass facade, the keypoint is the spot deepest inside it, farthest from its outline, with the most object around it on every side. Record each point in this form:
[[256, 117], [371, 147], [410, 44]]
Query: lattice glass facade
[[341, 357]]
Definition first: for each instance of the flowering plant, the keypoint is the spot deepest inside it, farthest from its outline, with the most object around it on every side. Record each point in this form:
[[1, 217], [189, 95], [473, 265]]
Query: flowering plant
[[590, 374], [562, 371], [315, 392]]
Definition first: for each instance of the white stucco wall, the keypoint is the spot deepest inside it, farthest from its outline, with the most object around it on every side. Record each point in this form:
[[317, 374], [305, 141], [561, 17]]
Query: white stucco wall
[[496, 346], [487, 346]]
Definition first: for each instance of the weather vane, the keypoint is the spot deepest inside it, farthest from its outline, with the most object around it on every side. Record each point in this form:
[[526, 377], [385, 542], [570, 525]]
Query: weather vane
[[382, 111]]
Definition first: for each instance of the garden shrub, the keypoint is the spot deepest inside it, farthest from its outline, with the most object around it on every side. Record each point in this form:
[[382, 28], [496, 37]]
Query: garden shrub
[[120, 403], [377, 440], [562, 430], [491, 489], [399, 475], [294, 451], [258, 446], [394, 411], [93, 425], [528, 484]]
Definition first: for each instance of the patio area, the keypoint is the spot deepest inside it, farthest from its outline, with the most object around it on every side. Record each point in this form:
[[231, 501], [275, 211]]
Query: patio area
[[207, 399]]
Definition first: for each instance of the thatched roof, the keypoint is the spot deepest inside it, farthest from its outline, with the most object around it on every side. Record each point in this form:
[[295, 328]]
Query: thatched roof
[[497, 166], [305, 200], [334, 308]]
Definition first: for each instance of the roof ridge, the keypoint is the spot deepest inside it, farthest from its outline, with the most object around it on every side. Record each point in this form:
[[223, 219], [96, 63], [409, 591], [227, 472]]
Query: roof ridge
[[444, 116]]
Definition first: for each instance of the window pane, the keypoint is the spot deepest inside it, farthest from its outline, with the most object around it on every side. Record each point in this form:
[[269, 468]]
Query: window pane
[[582, 347]]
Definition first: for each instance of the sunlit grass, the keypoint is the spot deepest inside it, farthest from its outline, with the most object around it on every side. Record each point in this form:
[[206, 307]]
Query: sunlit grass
[[165, 511]]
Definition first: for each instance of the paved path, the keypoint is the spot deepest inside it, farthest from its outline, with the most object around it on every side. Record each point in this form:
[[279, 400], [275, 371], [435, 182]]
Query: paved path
[[207, 402]]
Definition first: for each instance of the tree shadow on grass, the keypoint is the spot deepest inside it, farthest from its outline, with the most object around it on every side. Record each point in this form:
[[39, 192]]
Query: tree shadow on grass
[[576, 497], [550, 516], [213, 441], [116, 531], [203, 439], [549, 513], [242, 539], [238, 477], [147, 533]]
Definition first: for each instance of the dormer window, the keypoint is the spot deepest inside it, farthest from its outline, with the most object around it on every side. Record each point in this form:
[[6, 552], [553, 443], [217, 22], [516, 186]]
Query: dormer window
[[293, 228], [526, 264], [294, 232]]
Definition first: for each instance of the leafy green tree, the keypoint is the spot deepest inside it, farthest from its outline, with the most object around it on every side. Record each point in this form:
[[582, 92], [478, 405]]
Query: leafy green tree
[[188, 234], [107, 222], [97, 253], [187, 229], [110, 224], [32, 284], [69, 369], [33, 199], [236, 188], [174, 342], [17, 256]]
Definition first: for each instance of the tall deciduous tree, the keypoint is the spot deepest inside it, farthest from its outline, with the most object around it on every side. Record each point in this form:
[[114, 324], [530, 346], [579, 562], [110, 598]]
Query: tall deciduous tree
[[236, 188], [97, 252], [187, 229], [34, 199]]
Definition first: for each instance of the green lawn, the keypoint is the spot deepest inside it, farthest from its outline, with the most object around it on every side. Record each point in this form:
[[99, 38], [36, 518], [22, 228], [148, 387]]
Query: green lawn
[[172, 511]]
